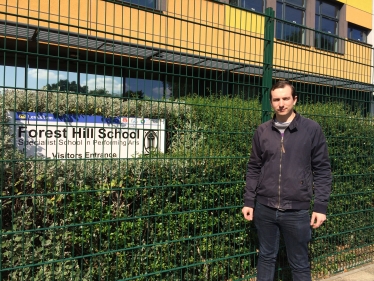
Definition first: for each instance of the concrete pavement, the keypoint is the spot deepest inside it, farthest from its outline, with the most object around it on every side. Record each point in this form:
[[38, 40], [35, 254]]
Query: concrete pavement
[[362, 273]]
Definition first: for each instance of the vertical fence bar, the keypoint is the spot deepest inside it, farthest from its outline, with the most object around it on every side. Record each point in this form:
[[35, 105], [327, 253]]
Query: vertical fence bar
[[268, 64]]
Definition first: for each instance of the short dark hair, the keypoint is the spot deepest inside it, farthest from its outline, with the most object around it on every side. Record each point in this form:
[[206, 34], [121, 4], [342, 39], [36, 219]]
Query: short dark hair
[[281, 84]]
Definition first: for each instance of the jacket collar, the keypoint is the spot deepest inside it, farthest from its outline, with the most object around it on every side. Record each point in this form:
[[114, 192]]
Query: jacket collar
[[294, 122]]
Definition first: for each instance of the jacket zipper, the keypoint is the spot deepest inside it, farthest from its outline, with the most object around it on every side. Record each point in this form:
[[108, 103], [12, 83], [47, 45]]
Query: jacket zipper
[[280, 171]]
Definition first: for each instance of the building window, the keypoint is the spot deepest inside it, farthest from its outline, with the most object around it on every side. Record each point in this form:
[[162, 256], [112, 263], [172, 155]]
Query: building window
[[293, 14], [147, 85], [357, 33], [145, 3], [99, 84], [253, 5], [11, 77], [327, 21]]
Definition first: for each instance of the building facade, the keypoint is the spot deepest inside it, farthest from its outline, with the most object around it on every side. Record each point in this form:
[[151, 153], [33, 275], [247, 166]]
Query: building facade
[[160, 48]]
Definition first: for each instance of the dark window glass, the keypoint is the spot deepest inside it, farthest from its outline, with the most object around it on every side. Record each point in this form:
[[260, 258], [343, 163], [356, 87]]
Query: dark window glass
[[146, 88], [327, 42], [279, 13], [146, 85], [328, 10], [254, 5], [294, 14], [279, 25], [145, 3], [327, 21], [317, 21], [357, 33], [329, 26]]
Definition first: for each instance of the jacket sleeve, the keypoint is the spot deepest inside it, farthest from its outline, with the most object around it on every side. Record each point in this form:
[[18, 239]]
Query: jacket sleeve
[[253, 172], [321, 172]]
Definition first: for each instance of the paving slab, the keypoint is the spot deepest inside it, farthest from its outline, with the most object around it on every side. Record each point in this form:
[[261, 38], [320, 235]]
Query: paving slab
[[362, 273]]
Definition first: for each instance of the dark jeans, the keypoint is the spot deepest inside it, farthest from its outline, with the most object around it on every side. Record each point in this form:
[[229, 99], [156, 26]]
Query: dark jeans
[[295, 228]]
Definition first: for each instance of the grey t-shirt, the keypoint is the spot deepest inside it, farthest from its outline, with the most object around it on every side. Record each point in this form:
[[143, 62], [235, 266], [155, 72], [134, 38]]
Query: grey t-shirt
[[281, 126]]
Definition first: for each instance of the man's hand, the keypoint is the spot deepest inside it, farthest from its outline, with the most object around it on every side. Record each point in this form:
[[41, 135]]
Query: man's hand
[[248, 213], [317, 219]]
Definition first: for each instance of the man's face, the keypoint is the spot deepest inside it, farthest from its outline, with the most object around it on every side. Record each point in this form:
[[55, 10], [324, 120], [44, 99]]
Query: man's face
[[282, 102]]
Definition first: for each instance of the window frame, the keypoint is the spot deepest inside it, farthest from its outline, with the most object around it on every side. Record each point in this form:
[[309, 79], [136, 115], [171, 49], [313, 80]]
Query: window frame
[[252, 10], [357, 28], [284, 4], [319, 34]]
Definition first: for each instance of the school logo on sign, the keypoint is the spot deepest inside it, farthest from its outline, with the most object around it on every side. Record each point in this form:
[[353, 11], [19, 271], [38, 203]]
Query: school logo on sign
[[150, 141]]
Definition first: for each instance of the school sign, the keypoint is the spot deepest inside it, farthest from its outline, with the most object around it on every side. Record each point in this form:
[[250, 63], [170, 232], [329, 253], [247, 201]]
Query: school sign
[[83, 136]]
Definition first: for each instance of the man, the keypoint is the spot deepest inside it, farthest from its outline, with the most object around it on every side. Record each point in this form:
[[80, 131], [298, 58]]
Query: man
[[289, 161]]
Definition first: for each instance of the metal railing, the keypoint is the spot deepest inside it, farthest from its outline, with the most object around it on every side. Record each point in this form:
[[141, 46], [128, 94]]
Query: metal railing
[[125, 133]]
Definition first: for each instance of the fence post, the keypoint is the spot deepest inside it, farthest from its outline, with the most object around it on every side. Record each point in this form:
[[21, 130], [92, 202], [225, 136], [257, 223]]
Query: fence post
[[268, 64]]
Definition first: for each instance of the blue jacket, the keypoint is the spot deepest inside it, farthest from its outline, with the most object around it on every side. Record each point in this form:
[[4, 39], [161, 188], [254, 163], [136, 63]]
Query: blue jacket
[[283, 173]]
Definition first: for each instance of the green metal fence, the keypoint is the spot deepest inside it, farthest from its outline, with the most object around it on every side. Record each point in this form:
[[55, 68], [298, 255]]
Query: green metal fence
[[126, 129]]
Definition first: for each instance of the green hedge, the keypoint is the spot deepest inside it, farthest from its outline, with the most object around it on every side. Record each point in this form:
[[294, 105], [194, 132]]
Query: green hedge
[[173, 216]]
